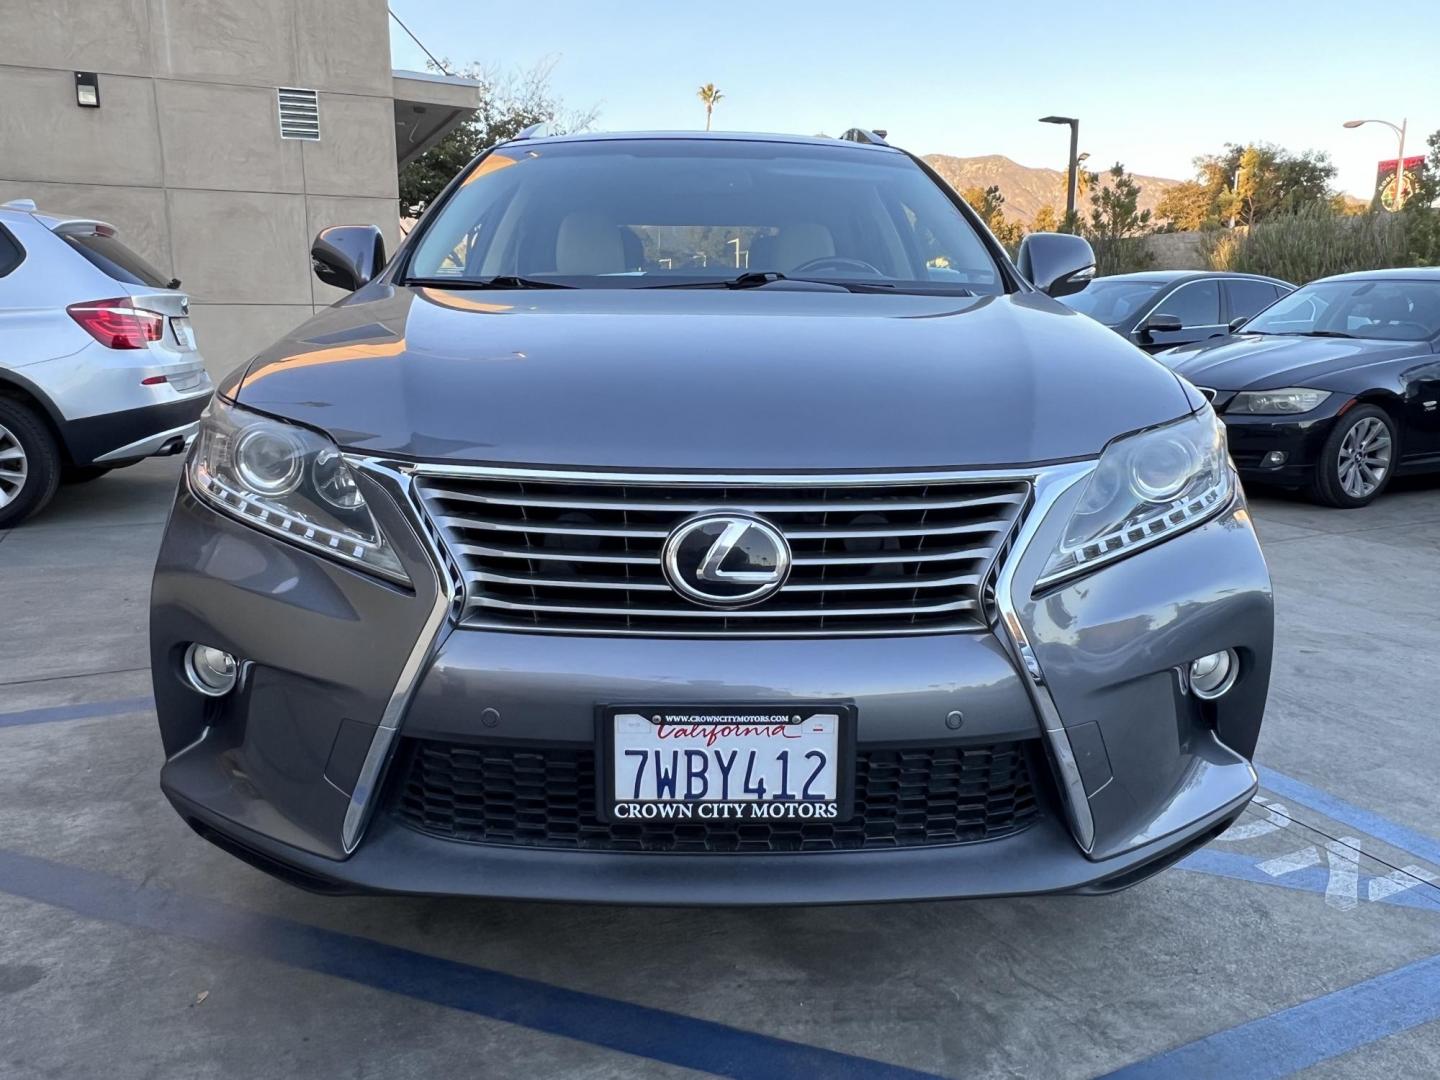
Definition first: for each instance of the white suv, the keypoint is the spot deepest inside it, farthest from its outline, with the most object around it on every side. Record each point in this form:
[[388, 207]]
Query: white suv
[[98, 365]]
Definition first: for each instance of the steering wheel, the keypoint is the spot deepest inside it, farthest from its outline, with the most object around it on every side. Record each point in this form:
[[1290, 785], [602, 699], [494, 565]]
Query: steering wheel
[[836, 262]]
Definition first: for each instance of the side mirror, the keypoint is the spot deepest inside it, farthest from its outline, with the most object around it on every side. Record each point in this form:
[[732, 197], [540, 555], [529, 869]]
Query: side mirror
[[348, 256], [1237, 322], [1166, 324], [1057, 264]]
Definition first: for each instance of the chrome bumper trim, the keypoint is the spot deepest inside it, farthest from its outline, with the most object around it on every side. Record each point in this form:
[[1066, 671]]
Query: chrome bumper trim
[[372, 771], [151, 443], [1050, 484]]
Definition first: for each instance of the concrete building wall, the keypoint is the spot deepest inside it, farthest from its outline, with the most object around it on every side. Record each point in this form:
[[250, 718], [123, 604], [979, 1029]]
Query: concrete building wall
[[1178, 251], [184, 155]]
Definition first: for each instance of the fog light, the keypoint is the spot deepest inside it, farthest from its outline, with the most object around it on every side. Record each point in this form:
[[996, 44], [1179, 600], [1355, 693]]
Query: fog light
[[209, 670], [1274, 459], [1212, 675]]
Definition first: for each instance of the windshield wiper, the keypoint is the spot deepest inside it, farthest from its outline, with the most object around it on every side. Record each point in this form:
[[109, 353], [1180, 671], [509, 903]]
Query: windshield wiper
[[755, 279], [499, 281], [751, 279], [1323, 333]]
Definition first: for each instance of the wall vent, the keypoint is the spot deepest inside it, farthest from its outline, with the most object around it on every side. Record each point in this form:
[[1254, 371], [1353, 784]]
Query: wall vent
[[299, 114]]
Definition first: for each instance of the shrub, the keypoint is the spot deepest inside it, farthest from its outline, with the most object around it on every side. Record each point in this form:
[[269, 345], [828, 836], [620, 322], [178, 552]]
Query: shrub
[[1422, 236], [1121, 255], [1315, 242]]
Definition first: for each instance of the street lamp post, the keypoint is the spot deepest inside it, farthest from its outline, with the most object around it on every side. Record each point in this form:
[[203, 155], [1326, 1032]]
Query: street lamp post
[[1074, 125], [1399, 158]]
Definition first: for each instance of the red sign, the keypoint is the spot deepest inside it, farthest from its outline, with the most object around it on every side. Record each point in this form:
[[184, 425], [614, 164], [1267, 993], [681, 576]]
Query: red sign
[[1385, 181]]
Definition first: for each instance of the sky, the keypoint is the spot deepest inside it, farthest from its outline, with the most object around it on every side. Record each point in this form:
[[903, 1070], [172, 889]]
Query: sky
[[1153, 83]]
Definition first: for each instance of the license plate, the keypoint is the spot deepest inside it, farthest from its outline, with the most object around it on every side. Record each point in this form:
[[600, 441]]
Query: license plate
[[184, 333], [719, 765]]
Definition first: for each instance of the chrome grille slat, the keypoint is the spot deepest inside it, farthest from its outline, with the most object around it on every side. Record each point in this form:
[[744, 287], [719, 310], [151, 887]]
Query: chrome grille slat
[[494, 552], [451, 522], [703, 613], [943, 555], [887, 531], [571, 552], [660, 586], [562, 583], [758, 506]]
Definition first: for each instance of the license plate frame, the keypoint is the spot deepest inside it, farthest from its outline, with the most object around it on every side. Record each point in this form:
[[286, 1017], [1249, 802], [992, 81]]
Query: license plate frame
[[844, 767]]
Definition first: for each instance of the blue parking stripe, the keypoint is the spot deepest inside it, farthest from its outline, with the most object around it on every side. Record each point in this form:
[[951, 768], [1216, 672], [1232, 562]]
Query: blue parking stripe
[[1366, 821], [1325, 1027], [82, 711], [615, 1025]]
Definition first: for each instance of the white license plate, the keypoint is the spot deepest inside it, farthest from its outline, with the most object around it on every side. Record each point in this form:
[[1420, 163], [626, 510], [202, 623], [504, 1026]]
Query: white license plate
[[690, 765], [184, 333]]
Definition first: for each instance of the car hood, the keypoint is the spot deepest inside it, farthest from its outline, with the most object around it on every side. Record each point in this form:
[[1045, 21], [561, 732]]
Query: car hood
[[710, 379], [1266, 362]]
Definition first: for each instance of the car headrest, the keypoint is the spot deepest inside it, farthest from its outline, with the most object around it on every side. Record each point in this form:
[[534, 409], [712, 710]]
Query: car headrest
[[589, 244]]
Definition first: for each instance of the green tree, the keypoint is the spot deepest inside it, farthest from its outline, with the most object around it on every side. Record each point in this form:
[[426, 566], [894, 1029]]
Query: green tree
[[987, 202], [1248, 184], [1115, 212], [1045, 220], [1421, 215], [1117, 223], [1428, 188], [1188, 206], [711, 97], [509, 103]]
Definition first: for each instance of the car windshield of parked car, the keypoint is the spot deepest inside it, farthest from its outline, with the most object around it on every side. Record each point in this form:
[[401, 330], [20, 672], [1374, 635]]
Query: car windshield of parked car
[[640, 213], [1386, 309], [1113, 302]]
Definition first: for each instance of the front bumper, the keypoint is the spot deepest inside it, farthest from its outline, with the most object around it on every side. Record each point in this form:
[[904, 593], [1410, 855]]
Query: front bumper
[[272, 772], [1300, 439]]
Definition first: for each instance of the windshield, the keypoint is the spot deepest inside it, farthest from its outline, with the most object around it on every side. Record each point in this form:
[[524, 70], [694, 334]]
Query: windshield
[[640, 213], [1112, 302], [1389, 310]]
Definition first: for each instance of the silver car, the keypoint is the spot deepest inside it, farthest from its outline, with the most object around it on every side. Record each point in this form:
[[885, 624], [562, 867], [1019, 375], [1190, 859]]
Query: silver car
[[98, 364]]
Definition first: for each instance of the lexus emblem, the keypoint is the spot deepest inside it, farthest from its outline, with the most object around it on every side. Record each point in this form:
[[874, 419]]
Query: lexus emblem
[[726, 560]]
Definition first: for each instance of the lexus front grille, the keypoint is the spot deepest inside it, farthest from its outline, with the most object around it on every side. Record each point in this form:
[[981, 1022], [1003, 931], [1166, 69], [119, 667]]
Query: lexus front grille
[[578, 552]]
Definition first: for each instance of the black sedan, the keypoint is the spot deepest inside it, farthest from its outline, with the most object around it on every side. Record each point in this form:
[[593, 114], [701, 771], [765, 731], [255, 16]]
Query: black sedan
[[1160, 309], [1334, 389]]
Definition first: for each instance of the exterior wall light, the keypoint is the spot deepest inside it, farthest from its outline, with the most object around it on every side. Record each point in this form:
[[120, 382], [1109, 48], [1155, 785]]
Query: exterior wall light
[[87, 89]]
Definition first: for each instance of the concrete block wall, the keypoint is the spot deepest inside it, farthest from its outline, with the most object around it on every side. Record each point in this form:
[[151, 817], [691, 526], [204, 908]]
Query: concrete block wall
[[184, 155], [1178, 251]]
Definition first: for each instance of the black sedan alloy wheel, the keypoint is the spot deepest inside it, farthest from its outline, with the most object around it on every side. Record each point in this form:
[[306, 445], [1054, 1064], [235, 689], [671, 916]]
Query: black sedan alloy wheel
[[1355, 464]]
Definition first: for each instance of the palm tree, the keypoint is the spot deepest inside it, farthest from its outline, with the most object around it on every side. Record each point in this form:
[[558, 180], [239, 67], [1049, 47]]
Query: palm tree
[[710, 96]]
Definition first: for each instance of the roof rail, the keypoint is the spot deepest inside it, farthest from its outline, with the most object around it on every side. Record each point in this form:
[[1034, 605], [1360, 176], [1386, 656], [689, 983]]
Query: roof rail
[[875, 136], [534, 131]]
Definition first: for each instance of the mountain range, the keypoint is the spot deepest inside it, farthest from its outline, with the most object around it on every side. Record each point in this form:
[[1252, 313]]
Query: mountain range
[[1027, 189]]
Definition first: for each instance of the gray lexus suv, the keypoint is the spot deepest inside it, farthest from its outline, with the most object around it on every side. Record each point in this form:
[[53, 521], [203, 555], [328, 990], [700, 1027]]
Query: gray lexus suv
[[695, 519]]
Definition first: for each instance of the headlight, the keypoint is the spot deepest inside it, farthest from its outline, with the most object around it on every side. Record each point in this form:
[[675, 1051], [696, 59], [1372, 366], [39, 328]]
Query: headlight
[[1146, 488], [1292, 399], [289, 481]]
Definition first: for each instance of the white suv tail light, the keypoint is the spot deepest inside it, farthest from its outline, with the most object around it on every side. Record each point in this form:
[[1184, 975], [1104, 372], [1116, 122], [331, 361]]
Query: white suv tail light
[[117, 325]]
